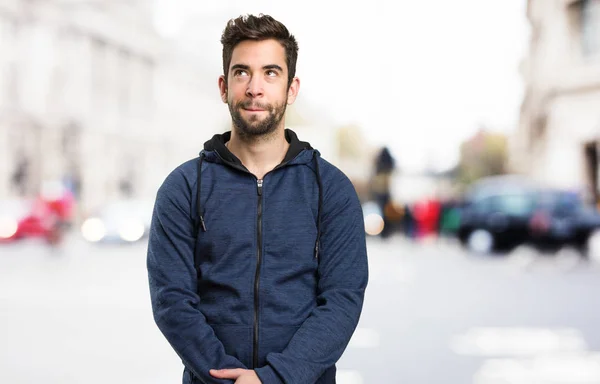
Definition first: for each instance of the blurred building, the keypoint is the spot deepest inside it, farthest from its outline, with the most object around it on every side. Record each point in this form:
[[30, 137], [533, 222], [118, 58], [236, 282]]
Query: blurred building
[[559, 134], [90, 94]]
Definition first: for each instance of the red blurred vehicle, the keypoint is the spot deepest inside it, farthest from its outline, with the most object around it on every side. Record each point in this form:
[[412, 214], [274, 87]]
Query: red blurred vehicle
[[47, 217]]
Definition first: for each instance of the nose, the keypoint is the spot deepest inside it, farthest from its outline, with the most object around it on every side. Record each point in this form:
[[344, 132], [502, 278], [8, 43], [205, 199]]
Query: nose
[[255, 87]]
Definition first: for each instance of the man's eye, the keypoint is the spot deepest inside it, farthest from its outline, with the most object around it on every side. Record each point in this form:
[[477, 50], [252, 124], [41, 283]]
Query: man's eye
[[240, 72], [271, 73]]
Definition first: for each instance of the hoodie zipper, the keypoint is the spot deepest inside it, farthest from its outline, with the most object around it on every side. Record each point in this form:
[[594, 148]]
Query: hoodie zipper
[[259, 185]]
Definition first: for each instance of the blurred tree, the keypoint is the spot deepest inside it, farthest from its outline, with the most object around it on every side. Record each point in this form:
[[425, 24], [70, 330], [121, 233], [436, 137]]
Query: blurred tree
[[484, 154]]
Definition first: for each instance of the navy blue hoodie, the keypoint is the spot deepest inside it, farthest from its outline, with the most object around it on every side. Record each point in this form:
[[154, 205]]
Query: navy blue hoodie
[[265, 274]]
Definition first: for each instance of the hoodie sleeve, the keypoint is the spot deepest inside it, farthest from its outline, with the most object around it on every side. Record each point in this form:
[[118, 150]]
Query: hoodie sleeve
[[173, 281], [343, 275]]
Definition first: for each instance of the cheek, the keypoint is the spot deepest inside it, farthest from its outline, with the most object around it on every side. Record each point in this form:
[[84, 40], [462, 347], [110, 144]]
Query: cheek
[[278, 95], [229, 96], [234, 93]]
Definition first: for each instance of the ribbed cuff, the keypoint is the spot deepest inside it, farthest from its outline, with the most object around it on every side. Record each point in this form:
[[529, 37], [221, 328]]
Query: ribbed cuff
[[267, 375]]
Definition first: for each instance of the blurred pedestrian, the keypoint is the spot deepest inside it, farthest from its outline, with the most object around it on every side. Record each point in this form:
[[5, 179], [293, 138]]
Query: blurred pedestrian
[[380, 187], [426, 214], [449, 220], [257, 259], [408, 222], [20, 176]]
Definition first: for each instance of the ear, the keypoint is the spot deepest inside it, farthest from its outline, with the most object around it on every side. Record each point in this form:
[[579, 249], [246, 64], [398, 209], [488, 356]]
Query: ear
[[293, 90], [223, 88]]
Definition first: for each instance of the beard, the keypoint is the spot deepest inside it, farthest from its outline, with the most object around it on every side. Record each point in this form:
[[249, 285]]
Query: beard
[[256, 126]]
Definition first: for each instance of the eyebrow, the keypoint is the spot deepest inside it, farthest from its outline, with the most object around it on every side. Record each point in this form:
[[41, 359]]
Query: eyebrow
[[247, 67], [240, 66], [273, 66]]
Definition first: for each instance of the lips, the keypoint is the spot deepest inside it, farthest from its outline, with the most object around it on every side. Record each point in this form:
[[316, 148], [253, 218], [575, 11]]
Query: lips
[[253, 107]]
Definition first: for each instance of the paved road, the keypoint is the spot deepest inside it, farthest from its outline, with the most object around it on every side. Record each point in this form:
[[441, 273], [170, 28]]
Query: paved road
[[433, 314]]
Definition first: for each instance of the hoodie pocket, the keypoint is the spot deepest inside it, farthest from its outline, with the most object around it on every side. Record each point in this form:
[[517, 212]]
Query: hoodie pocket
[[274, 338], [237, 340]]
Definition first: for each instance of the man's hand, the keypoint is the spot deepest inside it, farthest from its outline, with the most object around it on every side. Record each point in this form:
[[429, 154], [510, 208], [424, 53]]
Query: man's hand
[[241, 376]]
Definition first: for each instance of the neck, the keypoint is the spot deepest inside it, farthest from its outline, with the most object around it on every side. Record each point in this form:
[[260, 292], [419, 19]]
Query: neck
[[259, 154]]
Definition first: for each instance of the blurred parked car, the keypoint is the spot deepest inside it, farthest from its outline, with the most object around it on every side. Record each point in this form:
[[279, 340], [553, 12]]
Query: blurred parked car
[[500, 214], [123, 221], [21, 219], [560, 218], [12, 212]]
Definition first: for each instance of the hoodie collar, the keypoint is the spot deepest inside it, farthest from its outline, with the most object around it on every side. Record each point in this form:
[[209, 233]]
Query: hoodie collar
[[217, 144]]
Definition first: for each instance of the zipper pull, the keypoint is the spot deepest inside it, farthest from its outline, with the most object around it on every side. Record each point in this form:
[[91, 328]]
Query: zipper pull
[[202, 223], [259, 184]]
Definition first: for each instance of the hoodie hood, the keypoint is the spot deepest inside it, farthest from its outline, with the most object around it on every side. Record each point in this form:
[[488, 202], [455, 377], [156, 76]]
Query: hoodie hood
[[217, 144]]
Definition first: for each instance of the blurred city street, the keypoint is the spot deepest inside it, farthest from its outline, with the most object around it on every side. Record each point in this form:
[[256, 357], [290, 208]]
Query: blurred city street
[[80, 313], [464, 122]]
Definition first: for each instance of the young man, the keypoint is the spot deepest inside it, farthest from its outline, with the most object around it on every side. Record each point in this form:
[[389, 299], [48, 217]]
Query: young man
[[257, 260]]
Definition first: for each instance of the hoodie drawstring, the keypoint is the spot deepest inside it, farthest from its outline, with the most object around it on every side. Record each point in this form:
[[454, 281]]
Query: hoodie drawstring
[[197, 257], [320, 186], [198, 201]]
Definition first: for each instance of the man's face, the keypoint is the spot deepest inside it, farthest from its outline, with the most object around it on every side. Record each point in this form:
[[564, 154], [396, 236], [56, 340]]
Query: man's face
[[257, 88]]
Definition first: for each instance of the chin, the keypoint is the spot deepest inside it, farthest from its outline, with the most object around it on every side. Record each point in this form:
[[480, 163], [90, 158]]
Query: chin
[[250, 130]]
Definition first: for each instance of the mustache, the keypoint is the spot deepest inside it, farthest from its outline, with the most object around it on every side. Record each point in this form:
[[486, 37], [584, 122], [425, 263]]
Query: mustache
[[253, 105]]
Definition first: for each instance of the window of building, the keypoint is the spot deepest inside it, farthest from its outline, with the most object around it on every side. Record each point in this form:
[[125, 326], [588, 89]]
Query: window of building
[[99, 75], [148, 86], [124, 85], [4, 41], [8, 63], [590, 27], [142, 87]]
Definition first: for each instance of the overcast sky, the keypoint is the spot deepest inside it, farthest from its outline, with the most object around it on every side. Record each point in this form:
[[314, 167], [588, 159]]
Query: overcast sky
[[420, 76]]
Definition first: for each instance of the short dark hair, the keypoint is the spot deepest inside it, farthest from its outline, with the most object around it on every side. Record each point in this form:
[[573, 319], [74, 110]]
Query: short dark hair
[[261, 27]]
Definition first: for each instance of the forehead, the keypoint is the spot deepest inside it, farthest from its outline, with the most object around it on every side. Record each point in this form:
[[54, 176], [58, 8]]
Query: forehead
[[259, 53]]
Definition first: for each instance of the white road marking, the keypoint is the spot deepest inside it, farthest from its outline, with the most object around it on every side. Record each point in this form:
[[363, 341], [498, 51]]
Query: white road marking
[[581, 368], [530, 356], [517, 341]]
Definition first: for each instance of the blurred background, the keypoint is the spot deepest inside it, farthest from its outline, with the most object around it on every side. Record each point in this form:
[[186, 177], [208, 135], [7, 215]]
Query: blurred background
[[470, 129]]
